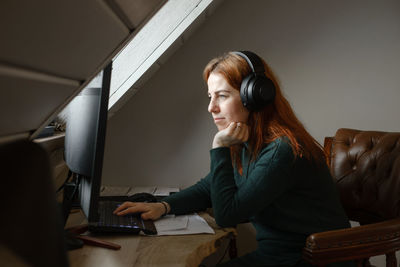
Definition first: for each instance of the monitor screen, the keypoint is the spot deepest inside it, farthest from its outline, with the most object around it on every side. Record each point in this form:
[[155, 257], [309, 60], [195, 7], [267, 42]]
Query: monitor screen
[[85, 139]]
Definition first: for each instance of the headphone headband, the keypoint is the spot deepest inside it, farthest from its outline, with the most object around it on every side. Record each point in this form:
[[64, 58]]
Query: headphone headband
[[253, 60], [256, 89]]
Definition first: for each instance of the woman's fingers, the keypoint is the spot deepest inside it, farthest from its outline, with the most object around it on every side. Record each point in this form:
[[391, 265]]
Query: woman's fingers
[[235, 133], [231, 128], [123, 206], [241, 132], [131, 209], [149, 211]]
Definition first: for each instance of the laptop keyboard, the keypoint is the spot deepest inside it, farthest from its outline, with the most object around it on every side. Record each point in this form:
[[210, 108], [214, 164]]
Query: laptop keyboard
[[133, 223]]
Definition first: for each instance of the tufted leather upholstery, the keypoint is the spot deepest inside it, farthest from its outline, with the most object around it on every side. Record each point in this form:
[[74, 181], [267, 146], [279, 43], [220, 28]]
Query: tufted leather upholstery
[[366, 167]]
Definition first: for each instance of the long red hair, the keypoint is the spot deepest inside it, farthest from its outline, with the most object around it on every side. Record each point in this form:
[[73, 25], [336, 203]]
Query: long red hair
[[274, 121]]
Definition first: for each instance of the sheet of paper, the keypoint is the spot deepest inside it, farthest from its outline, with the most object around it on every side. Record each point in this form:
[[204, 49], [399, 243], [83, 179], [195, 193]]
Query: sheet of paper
[[165, 191], [171, 222], [195, 225]]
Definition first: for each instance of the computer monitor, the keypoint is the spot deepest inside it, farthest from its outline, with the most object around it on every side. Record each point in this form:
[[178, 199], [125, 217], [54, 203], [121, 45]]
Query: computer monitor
[[84, 143]]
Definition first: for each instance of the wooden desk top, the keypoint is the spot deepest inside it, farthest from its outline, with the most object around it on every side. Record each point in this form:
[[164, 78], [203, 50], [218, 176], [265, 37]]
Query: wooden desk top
[[184, 250]]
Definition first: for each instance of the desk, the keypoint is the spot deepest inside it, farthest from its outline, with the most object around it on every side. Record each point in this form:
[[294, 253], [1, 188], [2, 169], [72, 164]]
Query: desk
[[138, 251]]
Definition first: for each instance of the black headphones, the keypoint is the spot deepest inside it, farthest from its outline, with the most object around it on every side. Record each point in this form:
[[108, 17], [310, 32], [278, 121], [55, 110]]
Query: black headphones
[[256, 90]]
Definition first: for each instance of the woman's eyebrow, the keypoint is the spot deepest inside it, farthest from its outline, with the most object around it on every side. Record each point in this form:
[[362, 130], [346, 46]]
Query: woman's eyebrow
[[222, 90]]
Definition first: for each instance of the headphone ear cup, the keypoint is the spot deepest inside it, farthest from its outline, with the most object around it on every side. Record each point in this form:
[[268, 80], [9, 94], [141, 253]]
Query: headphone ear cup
[[263, 91], [244, 89], [256, 91]]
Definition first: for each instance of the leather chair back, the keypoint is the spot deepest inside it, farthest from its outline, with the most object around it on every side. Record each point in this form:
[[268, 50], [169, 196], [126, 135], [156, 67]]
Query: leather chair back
[[366, 168]]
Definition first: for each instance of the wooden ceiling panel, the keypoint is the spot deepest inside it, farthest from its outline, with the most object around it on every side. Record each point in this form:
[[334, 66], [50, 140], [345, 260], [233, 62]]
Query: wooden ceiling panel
[[65, 38], [135, 13], [50, 50], [27, 101]]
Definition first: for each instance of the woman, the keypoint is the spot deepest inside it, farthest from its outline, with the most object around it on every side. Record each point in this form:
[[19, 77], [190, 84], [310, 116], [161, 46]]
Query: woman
[[265, 168]]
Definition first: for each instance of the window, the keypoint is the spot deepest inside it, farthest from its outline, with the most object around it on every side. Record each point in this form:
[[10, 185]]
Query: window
[[159, 38]]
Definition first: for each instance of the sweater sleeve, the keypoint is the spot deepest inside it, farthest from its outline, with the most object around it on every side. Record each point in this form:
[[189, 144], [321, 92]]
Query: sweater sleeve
[[267, 181], [192, 199]]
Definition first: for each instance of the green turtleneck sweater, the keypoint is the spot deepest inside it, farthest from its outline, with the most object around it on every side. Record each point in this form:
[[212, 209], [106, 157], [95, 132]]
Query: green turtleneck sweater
[[285, 198]]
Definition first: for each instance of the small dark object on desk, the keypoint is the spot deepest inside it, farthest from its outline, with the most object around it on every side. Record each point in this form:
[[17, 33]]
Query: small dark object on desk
[[142, 197], [46, 132]]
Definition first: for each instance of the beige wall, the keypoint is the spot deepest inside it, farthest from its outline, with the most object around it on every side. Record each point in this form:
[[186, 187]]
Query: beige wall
[[338, 63]]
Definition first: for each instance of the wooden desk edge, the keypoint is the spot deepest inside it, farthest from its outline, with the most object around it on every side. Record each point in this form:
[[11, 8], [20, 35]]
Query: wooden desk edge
[[192, 258], [204, 250]]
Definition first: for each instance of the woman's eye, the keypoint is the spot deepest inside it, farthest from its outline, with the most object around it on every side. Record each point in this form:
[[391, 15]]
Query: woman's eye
[[222, 96]]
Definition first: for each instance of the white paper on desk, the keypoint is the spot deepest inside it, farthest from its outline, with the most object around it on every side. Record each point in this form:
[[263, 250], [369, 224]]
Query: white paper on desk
[[195, 225], [171, 222], [165, 191]]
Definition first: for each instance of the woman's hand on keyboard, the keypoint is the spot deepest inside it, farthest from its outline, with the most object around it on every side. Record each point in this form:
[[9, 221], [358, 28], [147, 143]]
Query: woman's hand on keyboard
[[148, 211]]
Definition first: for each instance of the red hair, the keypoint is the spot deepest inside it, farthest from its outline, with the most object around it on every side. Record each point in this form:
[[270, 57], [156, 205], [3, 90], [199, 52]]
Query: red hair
[[274, 121]]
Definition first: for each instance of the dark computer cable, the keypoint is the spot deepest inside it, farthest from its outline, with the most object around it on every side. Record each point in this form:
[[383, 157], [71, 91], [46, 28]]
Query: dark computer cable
[[70, 190], [66, 180]]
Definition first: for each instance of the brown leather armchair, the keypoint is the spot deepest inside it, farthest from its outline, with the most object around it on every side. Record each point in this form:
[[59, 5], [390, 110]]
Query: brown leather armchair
[[366, 168]]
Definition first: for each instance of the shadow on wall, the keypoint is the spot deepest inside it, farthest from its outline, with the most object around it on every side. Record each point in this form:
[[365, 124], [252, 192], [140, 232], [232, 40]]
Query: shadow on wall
[[163, 134]]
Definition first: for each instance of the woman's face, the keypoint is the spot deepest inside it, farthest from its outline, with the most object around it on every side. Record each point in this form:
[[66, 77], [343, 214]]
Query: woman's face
[[225, 104]]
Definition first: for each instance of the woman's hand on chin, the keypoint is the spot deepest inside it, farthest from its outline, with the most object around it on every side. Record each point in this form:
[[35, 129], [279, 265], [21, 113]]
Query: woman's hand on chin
[[235, 133]]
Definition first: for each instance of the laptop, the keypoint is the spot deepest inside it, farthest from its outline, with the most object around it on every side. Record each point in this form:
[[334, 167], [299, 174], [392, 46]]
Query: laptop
[[109, 222]]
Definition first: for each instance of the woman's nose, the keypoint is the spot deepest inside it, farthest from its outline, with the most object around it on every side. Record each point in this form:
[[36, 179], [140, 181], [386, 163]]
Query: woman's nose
[[213, 107]]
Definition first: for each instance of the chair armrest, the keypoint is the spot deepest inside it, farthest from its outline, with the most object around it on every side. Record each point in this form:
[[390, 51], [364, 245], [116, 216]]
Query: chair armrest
[[353, 243]]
